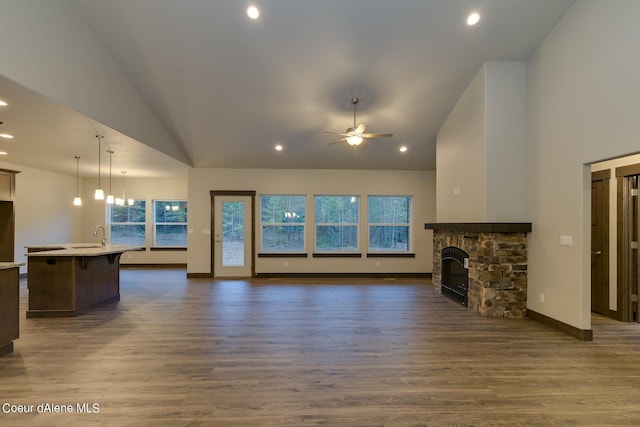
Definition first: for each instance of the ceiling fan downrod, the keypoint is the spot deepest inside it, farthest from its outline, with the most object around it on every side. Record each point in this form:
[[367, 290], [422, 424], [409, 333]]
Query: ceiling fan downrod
[[355, 102]]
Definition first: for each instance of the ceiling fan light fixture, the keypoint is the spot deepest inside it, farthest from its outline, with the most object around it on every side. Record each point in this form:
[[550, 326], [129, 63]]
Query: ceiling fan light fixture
[[354, 140]]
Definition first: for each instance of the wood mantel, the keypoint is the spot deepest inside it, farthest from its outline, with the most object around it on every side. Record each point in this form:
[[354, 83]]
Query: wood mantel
[[481, 227]]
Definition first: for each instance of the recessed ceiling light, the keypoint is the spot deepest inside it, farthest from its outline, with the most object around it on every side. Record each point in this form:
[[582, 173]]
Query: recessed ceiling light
[[279, 147], [403, 149], [3, 153], [473, 18], [6, 135], [3, 103], [253, 12]]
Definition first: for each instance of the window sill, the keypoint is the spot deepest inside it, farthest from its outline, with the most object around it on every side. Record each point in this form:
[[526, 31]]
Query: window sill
[[168, 248], [390, 255], [282, 255], [336, 255]]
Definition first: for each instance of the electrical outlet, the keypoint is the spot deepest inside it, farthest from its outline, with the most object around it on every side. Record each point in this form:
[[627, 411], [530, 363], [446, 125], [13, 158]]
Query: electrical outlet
[[377, 263], [566, 240], [541, 298], [286, 263]]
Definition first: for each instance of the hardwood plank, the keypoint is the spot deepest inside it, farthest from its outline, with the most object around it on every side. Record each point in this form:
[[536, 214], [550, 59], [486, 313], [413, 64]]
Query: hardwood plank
[[363, 352]]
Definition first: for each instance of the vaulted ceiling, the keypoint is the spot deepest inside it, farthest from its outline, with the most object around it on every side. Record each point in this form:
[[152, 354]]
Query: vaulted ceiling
[[228, 89]]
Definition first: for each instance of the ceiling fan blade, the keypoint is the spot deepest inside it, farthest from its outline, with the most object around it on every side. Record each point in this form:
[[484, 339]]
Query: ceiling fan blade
[[361, 128], [338, 140], [336, 133], [377, 135]]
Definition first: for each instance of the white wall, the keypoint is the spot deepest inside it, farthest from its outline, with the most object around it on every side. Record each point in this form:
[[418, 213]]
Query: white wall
[[460, 158], [506, 126], [419, 184], [94, 213], [480, 149], [583, 103], [44, 211]]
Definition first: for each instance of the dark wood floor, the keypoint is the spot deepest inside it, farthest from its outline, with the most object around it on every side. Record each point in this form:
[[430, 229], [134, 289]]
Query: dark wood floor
[[178, 352]]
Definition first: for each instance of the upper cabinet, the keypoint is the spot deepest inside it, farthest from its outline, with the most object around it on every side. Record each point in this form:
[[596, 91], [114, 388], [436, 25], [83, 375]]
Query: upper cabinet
[[7, 184]]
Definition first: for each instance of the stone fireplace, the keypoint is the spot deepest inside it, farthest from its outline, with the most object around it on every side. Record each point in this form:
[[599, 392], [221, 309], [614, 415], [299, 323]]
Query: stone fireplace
[[494, 256]]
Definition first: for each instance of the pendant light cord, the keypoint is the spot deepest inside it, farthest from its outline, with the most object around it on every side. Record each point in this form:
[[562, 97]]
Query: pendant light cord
[[99, 150], [77, 174]]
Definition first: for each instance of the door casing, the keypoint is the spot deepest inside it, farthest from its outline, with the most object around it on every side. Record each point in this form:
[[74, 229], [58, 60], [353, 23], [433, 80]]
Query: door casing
[[252, 195]]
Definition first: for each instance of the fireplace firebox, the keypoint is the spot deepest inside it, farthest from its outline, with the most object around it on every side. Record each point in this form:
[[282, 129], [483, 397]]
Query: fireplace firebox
[[455, 274]]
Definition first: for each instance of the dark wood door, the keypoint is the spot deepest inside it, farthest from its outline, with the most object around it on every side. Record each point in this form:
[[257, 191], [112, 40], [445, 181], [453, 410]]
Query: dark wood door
[[600, 246]]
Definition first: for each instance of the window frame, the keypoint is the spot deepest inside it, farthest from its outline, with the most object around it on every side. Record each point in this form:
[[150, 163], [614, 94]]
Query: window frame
[[263, 224], [320, 252], [111, 223], [154, 224], [409, 225]]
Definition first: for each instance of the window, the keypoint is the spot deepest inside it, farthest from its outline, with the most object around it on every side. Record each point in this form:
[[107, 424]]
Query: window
[[127, 224], [389, 223], [336, 220], [282, 219], [170, 223]]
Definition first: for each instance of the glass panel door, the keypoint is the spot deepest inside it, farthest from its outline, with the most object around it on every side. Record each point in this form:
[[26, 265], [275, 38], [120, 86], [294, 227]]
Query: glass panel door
[[232, 236]]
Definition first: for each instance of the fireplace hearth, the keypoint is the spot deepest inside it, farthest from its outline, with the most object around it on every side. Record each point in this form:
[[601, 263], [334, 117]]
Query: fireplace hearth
[[488, 259]]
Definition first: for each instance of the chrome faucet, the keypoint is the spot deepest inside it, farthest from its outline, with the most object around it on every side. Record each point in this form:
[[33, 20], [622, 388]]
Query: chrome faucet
[[95, 233]]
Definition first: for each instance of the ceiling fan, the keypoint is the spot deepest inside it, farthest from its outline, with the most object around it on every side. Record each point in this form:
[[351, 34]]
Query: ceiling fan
[[355, 135]]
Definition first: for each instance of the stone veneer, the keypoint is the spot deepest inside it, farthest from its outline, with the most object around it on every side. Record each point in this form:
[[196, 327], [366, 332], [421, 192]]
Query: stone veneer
[[497, 265]]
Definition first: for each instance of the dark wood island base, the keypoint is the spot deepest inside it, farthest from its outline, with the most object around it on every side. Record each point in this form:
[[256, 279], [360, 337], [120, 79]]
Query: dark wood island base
[[66, 284], [9, 305]]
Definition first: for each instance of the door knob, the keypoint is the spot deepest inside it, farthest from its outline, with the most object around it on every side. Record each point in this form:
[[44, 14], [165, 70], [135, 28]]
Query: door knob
[[597, 252]]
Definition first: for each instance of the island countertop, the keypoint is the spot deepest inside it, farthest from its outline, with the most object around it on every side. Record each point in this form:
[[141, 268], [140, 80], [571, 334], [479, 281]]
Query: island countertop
[[6, 265], [77, 249]]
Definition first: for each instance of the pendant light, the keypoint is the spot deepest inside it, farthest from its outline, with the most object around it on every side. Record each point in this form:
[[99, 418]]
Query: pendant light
[[110, 199], [99, 194], [77, 201]]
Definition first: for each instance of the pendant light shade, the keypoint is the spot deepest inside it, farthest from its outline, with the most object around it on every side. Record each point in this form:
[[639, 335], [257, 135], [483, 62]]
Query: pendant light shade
[[77, 201], [110, 198], [99, 194]]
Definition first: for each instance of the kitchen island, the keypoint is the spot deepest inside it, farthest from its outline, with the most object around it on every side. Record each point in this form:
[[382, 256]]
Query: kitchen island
[[66, 280], [9, 305]]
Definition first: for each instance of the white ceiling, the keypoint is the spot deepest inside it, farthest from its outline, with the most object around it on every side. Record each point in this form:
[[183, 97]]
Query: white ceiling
[[229, 89]]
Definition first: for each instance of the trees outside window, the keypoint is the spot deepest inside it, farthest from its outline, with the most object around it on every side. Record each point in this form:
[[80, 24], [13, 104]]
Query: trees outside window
[[389, 223], [127, 224], [282, 219], [336, 223], [170, 223]]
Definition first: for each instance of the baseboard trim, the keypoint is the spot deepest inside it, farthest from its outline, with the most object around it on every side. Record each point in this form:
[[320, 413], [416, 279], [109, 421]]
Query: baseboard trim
[[344, 275], [177, 265], [581, 334], [199, 276]]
